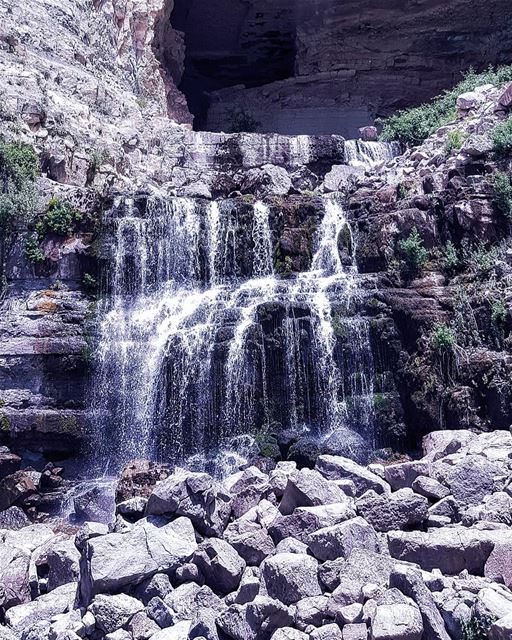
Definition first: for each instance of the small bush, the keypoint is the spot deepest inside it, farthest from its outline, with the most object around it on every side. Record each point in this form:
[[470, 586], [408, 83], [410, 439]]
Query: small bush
[[60, 218], [240, 121], [502, 138], [498, 312], [450, 260], [19, 167], [413, 126], [443, 338], [476, 628], [455, 141], [33, 251], [503, 193], [413, 253], [402, 192], [89, 283]]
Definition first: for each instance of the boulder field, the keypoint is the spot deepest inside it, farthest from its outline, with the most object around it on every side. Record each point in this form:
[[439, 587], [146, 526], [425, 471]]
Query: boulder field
[[416, 550]]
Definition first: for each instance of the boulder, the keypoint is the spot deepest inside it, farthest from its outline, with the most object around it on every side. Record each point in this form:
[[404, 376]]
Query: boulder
[[250, 540], [411, 584], [113, 561], [498, 566], [158, 585], [255, 620], [430, 488], [16, 488], [289, 633], [179, 631], [219, 563], [398, 621], [96, 504], [195, 496], [355, 631], [267, 180], [14, 576], [402, 475], [398, 510], [63, 564], [339, 468], [111, 612], [313, 611], [13, 518], [501, 629], [470, 480], [338, 541], [9, 462], [187, 599], [469, 100], [308, 488], [142, 627], [59, 600], [328, 632], [289, 577]]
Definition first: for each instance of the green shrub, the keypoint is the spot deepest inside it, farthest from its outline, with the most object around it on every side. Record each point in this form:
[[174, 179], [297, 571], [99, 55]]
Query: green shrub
[[454, 141], [442, 338], [60, 218], [413, 126], [413, 254], [89, 283], [503, 193], [450, 260], [33, 251], [19, 167], [240, 121], [498, 312], [476, 628], [402, 192], [502, 138]]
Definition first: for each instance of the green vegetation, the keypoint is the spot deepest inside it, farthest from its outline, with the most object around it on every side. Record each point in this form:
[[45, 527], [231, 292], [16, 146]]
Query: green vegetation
[[498, 312], [450, 260], [19, 167], [476, 628], [502, 138], [60, 218], [455, 140], [284, 267], [413, 126], [402, 192], [503, 193], [338, 327], [442, 338], [240, 121], [33, 251], [89, 283], [413, 254]]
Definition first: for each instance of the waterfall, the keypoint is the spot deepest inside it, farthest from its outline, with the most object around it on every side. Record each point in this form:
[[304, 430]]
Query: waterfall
[[368, 155], [195, 354]]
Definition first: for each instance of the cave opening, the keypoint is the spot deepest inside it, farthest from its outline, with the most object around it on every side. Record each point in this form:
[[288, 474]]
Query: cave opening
[[232, 43]]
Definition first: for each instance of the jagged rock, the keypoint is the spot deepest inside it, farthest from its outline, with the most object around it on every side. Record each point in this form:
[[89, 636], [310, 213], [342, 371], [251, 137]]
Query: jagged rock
[[43, 608], [256, 620], [179, 631], [399, 510], [193, 495], [267, 180], [9, 462], [288, 633], [501, 629], [469, 100], [340, 176], [278, 477], [449, 549], [412, 585], [291, 545], [158, 585], [493, 604], [289, 577], [160, 612], [204, 625], [138, 478], [430, 488], [219, 563], [133, 507], [189, 598], [87, 531], [355, 632], [250, 540], [313, 611], [338, 468], [402, 475], [63, 564], [308, 488], [97, 504], [189, 572], [248, 589], [13, 518], [16, 488], [498, 567], [118, 559], [14, 576], [398, 621], [64, 623], [328, 632], [338, 541], [113, 612], [446, 507], [496, 507]]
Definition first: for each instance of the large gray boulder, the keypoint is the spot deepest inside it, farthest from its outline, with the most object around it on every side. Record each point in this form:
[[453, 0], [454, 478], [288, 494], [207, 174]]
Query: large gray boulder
[[255, 620], [312, 611], [308, 488], [195, 496], [289, 577], [398, 510], [220, 564], [268, 180], [63, 564], [411, 584], [111, 612], [450, 549], [250, 540], [338, 541], [187, 599], [14, 576], [470, 479], [154, 545], [339, 468], [42, 609], [430, 488], [398, 621], [501, 629]]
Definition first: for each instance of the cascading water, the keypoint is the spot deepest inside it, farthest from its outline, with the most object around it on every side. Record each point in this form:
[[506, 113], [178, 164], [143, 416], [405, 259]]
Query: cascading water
[[186, 362], [368, 155]]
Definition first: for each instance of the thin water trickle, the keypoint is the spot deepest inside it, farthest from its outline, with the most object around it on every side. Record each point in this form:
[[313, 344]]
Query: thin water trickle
[[186, 361]]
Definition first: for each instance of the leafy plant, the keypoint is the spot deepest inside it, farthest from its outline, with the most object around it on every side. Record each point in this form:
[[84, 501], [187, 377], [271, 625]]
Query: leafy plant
[[476, 628], [89, 283], [33, 251], [454, 141], [503, 193], [240, 121], [502, 138], [19, 167], [442, 338], [413, 126], [450, 260], [402, 192], [60, 218], [498, 312], [413, 254]]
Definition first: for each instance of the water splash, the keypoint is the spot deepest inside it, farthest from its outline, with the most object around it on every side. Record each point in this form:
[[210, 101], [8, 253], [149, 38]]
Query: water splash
[[368, 155]]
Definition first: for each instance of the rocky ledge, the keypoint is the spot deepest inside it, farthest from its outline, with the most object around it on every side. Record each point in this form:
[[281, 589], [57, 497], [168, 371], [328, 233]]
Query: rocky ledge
[[419, 550]]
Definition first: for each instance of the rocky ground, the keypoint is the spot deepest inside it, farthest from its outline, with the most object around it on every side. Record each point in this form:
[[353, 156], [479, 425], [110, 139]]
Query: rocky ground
[[419, 550]]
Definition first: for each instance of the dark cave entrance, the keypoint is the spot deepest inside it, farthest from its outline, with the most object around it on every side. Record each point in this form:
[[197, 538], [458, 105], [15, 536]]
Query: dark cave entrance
[[232, 43]]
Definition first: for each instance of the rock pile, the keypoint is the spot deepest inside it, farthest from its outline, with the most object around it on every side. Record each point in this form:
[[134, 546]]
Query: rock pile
[[419, 550]]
